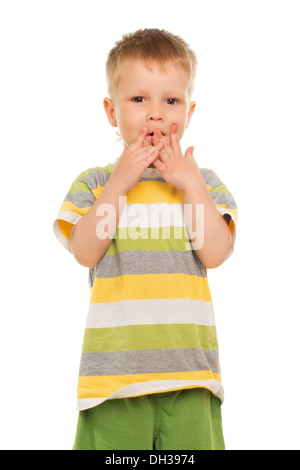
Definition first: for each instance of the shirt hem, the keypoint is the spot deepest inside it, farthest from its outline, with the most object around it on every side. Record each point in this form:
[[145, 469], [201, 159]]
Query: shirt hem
[[147, 388]]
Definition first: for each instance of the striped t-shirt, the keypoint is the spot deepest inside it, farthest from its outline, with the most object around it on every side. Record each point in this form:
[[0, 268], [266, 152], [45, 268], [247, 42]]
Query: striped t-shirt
[[150, 325]]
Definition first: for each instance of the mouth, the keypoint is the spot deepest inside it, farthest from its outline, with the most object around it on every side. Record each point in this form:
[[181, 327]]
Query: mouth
[[150, 136]]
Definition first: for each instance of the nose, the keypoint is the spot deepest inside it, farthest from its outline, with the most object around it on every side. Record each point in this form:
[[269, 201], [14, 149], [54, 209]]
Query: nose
[[155, 113]]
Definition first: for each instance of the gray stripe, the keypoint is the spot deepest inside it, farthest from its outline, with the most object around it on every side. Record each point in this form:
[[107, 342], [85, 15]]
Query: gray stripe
[[81, 198], [97, 177], [148, 362], [210, 177], [148, 262], [214, 181], [223, 198], [159, 178]]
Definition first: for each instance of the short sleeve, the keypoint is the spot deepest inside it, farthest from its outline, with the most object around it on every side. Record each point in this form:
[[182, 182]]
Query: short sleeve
[[223, 200], [78, 201]]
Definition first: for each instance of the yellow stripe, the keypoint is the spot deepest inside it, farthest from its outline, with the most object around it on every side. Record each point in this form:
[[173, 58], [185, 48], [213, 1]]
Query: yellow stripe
[[69, 206], [231, 226], [234, 211], [65, 228], [152, 192], [104, 386], [97, 191], [150, 286]]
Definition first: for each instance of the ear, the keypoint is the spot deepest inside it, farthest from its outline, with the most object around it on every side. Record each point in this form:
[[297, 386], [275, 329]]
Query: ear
[[110, 111], [190, 113]]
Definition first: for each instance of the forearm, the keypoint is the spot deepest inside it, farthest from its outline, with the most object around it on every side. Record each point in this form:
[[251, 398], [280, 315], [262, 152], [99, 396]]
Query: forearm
[[210, 234], [90, 238]]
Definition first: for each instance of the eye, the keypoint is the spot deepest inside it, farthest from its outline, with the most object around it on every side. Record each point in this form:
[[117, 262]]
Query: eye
[[138, 99], [172, 101]]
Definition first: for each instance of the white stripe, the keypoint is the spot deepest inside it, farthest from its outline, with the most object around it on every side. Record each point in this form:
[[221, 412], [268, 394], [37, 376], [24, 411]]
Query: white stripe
[[150, 312], [152, 215], [144, 388]]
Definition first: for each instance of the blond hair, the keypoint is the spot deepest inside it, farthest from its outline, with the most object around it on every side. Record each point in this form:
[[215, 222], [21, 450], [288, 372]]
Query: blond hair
[[151, 46]]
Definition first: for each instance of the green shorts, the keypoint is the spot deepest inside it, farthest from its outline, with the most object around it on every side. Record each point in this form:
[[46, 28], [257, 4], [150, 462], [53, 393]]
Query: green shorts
[[180, 420]]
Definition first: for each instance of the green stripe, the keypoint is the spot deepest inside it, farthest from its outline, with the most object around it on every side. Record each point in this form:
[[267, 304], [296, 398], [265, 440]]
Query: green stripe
[[139, 337], [77, 186], [150, 239], [108, 168], [80, 185], [221, 189]]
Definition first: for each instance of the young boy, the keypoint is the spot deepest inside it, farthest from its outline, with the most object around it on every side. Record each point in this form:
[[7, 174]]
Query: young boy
[[148, 228]]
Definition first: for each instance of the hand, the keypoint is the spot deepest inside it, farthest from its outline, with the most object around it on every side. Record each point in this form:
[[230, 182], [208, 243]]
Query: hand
[[178, 170], [133, 162]]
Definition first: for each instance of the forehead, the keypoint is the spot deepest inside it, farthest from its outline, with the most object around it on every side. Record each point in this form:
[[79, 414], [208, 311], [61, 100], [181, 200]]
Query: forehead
[[135, 73]]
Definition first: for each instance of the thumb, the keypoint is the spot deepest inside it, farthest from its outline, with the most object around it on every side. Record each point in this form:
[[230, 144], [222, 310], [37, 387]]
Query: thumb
[[189, 152]]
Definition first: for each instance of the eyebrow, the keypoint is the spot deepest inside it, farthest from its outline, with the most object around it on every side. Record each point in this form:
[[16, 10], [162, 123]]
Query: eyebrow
[[141, 92]]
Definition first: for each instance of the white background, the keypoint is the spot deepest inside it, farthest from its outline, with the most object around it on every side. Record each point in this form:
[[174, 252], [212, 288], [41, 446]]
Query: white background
[[246, 127]]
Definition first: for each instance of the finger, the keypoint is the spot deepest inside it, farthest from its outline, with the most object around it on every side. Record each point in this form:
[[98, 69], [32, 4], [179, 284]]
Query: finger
[[142, 136], [190, 152], [147, 152], [164, 156], [157, 142], [159, 165], [151, 158], [164, 153], [158, 133], [174, 140], [146, 149]]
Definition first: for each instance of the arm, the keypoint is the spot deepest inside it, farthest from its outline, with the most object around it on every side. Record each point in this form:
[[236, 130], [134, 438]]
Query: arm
[[215, 238], [91, 236], [85, 244], [212, 239]]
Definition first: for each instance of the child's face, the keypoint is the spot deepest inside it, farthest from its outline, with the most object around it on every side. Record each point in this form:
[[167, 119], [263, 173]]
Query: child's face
[[157, 99]]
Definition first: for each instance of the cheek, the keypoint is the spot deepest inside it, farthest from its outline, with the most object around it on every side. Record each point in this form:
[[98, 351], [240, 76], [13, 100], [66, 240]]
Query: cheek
[[180, 129], [129, 131], [128, 121], [181, 119]]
